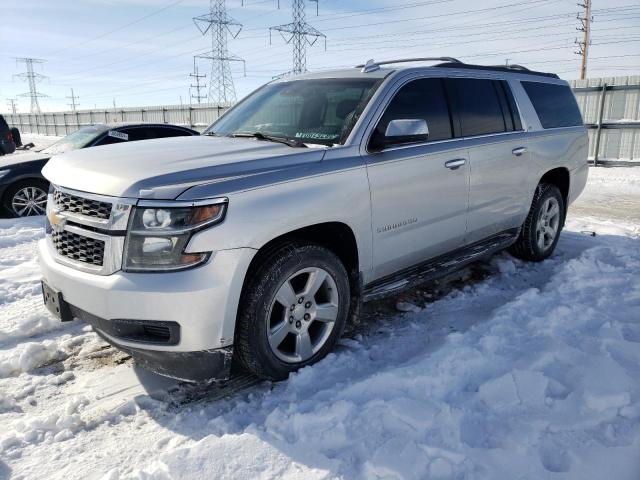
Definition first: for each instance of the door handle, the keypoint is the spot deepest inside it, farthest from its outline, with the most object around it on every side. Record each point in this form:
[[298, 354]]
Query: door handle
[[455, 164], [519, 151]]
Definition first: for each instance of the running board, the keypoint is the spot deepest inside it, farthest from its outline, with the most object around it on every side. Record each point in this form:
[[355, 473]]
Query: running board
[[438, 267]]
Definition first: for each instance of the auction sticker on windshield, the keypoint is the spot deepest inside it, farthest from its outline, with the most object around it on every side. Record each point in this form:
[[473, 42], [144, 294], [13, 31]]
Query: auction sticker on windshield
[[120, 135]]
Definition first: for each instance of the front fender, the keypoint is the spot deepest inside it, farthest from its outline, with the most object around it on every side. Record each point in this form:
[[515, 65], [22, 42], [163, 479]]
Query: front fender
[[259, 215]]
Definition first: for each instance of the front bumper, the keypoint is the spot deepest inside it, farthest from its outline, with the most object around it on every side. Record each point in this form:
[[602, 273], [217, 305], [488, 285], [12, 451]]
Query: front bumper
[[199, 366], [203, 300]]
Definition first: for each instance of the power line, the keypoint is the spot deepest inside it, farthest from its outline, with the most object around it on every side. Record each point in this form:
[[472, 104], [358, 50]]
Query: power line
[[32, 78], [122, 27], [218, 23]]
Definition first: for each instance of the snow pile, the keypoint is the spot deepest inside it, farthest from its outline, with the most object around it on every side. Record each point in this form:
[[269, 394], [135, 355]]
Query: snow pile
[[534, 380], [525, 371], [28, 356]]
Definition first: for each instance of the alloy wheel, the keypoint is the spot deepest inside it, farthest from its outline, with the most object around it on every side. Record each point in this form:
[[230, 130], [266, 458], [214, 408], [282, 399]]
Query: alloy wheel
[[303, 314], [548, 224], [29, 201]]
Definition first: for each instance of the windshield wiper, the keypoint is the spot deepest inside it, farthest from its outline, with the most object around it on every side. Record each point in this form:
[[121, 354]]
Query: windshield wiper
[[270, 138]]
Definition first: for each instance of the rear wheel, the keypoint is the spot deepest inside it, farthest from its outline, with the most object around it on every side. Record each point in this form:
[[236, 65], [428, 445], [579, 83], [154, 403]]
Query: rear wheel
[[26, 198], [292, 311], [541, 230]]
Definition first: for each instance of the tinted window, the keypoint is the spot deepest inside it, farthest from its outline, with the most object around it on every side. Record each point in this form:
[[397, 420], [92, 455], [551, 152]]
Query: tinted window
[[420, 99], [555, 104], [110, 138], [164, 132], [478, 106]]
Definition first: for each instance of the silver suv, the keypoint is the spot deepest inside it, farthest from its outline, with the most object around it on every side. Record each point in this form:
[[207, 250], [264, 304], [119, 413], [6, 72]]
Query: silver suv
[[254, 244]]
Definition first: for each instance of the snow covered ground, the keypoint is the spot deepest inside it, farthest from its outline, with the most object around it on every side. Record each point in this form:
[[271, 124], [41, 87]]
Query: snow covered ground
[[509, 370]]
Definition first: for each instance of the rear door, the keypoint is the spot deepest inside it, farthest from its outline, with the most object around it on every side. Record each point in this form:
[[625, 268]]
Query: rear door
[[491, 126], [419, 205]]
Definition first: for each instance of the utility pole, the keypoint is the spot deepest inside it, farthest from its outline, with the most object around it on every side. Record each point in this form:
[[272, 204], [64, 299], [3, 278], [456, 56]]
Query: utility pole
[[11, 103], [73, 103], [585, 20], [300, 34], [218, 24], [32, 78], [197, 86]]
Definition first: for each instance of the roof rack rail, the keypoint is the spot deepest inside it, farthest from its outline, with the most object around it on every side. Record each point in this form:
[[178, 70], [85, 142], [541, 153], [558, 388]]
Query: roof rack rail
[[372, 65], [513, 66]]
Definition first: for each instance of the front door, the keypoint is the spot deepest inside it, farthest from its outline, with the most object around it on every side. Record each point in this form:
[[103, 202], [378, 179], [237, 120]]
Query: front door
[[419, 192]]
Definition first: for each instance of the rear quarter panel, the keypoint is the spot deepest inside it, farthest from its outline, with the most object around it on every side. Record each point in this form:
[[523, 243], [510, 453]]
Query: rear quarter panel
[[552, 148]]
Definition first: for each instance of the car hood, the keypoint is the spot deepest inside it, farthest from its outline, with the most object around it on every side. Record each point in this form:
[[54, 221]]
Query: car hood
[[164, 168], [18, 158]]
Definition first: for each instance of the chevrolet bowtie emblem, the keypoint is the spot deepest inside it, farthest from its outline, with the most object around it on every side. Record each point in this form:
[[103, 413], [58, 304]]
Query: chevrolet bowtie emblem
[[56, 220]]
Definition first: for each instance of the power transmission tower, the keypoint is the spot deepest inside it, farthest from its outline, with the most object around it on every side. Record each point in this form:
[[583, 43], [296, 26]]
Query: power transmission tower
[[300, 34], [73, 103], [585, 27], [32, 78], [219, 24], [11, 103], [197, 86]]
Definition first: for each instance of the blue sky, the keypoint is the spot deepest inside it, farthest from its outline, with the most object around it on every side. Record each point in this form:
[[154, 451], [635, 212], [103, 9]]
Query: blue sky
[[106, 49]]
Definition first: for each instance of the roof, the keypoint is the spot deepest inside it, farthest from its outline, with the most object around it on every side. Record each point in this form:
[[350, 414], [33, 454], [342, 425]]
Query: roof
[[373, 69]]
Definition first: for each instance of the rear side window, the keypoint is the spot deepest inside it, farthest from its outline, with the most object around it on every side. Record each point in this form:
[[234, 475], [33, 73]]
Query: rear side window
[[421, 99], [479, 106], [555, 104]]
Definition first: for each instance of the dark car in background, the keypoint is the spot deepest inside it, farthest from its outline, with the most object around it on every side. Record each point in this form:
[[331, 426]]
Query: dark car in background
[[23, 189], [7, 142]]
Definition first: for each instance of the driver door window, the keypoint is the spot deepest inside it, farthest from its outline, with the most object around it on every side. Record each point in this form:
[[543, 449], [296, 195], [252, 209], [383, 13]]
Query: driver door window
[[423, 99]]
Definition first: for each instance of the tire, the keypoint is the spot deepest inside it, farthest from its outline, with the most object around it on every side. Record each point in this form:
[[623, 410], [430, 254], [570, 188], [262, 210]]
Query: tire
[[271, 337], [541, 230], [17, 196]]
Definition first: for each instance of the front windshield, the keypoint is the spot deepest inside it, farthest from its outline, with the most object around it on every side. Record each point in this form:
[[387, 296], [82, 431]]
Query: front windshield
[[308, 111], [78, 139]]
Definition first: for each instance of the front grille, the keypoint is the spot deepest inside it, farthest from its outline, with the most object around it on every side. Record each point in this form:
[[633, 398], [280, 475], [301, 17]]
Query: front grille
[[82, 206], [79, 248]]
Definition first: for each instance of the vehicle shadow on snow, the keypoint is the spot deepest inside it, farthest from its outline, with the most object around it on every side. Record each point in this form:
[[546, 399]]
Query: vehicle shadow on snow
[[197, 411], [5, 471]]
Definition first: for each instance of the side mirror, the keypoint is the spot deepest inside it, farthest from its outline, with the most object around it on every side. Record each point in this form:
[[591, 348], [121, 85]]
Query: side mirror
[[406, 131], [402, 131]]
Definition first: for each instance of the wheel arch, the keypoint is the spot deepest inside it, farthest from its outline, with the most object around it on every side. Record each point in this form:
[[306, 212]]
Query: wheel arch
[[561, 178], [338, 237]]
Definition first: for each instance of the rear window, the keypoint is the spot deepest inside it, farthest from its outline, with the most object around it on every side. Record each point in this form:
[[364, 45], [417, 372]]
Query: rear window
[[555, 104]]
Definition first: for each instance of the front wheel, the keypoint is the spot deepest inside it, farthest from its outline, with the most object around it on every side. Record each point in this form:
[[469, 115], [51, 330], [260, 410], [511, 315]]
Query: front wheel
[[26, 198], [293, 310], [541, 229]]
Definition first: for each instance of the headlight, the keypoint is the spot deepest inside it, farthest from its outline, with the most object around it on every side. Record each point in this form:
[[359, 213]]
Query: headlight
[[159, 232], [4, 172]]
